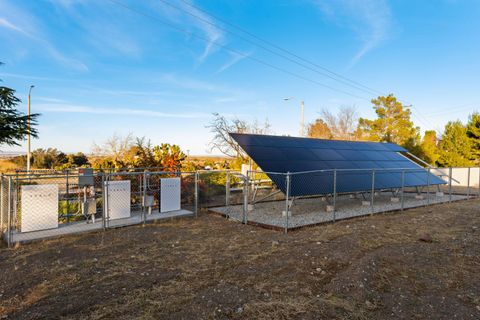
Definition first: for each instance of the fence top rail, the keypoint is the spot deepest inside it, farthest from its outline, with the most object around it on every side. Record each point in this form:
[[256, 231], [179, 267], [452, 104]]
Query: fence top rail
[[145, 172], [357, 169]]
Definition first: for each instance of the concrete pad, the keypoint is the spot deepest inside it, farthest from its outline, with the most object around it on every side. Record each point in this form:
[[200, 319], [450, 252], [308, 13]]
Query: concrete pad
[[289, 213], [366, 203], [419, 196], [394, 199]]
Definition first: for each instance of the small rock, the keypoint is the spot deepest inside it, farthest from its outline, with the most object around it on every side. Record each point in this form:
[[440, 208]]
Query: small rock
[[426, 238], [275, 243], [369, 305]]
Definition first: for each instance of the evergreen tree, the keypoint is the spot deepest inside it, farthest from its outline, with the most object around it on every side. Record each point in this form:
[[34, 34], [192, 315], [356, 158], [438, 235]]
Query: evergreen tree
[[473, 132], [456, 146], [428, 147], [393, 124], [14, 124]]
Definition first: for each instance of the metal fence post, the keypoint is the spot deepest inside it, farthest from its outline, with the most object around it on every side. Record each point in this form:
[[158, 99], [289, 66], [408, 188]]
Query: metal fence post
[[402, 202], [334, 194], [196, 193], [478, 182], [67, 184], [104, 206], [107, 204], [372, 192], [468, 184], [2, 216], [245, 197], [287, 200], [9, 212], [227, 189], [450, 184], [428, 186], [144, 195]]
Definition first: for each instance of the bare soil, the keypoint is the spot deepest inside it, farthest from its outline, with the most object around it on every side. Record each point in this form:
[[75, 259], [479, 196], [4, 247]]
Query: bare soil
[[423, 263]]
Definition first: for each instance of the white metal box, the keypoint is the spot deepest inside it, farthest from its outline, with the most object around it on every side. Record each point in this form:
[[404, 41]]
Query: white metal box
[[170, 194], [39, 207], [118, 200]]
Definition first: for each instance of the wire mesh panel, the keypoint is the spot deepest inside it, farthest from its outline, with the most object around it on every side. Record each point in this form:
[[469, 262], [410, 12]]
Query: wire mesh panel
[[47, 206], [3, 203], [169, 191], [212, 188]]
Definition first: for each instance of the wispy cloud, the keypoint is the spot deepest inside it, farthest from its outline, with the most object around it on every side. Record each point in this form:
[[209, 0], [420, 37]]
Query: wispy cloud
[[191, 17], [7, 24], [235, 58], [20, 22], [371, 20], [109, 36], [72, 108]]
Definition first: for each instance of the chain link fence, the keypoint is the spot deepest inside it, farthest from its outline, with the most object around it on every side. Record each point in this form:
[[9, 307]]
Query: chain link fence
[[48, 204], [39, 206], [292, 200]]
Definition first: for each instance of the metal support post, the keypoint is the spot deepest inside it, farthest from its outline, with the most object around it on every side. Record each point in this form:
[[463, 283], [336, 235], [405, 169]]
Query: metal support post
[[468, 184], [107, 204], [450, 184], [144, 195], [245, 198], [227, 189], [2, 213], [196, 193], [478, 181], [9, 212], [287, 199], [428, 186], [334, 194], [402, 203], [372, 192]]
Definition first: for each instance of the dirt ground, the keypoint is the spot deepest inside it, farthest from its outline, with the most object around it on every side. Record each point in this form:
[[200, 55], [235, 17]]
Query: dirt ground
[[420, 264]]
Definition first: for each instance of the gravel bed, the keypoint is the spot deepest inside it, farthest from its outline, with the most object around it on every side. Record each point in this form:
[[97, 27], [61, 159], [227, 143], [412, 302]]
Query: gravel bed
[[308, 211]]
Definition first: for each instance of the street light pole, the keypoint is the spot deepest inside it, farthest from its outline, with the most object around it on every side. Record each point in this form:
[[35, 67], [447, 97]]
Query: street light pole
[[302, 119], [302, 115], [29, 128]]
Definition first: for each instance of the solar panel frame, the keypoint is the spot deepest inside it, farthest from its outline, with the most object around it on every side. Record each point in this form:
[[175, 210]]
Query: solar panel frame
[[353, 160]]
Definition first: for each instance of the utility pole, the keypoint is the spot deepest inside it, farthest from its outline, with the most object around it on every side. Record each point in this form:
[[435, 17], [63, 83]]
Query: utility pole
[[29, 128]]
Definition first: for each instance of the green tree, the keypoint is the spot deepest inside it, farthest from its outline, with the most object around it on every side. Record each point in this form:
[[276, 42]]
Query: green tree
[[169, 156], [319, 129], [14, 125], [393, 124], [455, 146], [50, 158], [428, 147], [473, 132]]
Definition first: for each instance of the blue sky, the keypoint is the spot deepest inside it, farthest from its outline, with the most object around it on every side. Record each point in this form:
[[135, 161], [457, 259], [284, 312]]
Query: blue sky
[[100, 68]]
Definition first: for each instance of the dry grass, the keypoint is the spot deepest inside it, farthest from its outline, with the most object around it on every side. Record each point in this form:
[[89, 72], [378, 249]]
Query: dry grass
[[210, 268]]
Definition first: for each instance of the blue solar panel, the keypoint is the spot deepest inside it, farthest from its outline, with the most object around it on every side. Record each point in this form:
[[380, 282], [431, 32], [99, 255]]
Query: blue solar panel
[[295, 155]]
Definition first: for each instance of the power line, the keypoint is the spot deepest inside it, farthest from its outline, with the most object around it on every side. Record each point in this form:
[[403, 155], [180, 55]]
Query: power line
[[336, 77], [227, 48]]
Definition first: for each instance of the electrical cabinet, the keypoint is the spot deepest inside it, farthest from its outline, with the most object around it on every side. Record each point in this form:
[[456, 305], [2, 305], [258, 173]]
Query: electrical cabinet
[[39, 207]]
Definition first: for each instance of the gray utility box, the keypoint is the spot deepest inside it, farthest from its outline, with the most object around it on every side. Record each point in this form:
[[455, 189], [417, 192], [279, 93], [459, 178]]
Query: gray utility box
[[85, 177]]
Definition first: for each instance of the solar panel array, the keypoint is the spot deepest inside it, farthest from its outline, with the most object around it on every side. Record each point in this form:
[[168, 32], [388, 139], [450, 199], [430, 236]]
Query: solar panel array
[[279, 154]]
